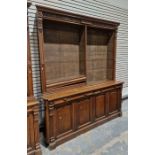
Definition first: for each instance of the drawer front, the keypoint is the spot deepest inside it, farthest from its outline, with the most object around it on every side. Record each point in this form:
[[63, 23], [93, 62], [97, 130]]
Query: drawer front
[[100, 105], [64, 119], [113, 101], [84, 111]]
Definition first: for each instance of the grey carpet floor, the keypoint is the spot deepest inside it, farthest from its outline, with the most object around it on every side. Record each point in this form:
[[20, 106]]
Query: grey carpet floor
[[110, 138]]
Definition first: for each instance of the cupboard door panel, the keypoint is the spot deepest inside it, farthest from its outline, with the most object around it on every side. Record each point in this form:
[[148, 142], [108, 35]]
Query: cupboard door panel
[[100, 105], [113, 101], [84, 111], [64, 119]]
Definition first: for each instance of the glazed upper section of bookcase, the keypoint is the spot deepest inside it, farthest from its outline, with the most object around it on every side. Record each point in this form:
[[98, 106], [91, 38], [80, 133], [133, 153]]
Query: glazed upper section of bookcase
[[59, 15]]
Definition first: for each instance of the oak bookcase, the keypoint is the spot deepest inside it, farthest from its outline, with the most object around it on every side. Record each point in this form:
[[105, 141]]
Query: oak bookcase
[[33, 145], [77, 64]]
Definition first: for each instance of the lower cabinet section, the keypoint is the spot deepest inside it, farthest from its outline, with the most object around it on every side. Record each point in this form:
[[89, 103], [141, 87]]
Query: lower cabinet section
[[72, 114], [33, 146]]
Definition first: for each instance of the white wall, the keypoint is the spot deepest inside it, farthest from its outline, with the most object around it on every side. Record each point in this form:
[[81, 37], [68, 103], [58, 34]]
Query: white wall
[[114, 10], [119, 3]]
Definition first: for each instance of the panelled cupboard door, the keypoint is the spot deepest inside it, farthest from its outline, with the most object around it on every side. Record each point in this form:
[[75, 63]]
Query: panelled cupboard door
[[64, 119], [113, 101], [100, 105], [84, 111]]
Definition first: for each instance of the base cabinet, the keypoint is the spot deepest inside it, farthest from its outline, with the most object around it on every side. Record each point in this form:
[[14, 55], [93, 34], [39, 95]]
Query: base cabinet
[[71, 115], [33, 146]]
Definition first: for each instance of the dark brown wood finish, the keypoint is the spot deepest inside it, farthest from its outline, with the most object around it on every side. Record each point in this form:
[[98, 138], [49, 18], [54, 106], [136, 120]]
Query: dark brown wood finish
[[64, 52], [33, 146], [58, 31], [77, 110], [83, 94]]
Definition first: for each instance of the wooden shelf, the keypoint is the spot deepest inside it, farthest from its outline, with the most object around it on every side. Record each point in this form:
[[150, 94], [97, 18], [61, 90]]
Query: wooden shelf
[[80, 90]]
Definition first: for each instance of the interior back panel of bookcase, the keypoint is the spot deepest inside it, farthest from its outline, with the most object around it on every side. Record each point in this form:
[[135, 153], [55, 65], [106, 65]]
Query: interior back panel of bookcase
[[63, 49], [98, 51]]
